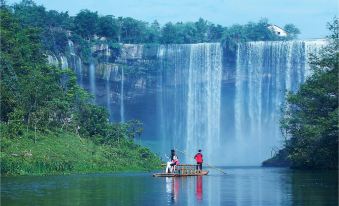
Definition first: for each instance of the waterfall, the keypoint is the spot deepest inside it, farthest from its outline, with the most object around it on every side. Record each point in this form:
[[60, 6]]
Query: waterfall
[[75, 62], [122, 107], [190, 97], [63, 62], [79, 72], [203, 102], [92, 81], [264, 72], [107, 74], [52, 60], [71, 47], [172, 96], [108, 91]]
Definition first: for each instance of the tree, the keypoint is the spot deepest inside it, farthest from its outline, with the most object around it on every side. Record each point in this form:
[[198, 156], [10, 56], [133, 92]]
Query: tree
[[153, 33], [215, 33], [33, 93], [168, 33], [108, 27], [30, 14], [202, 28], [188, 33], [132, 30], [259, 31], [85, 23], [292, 31], [311, 116]]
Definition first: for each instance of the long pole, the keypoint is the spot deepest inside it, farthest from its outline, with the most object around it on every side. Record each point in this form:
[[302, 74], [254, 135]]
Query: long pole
[[216, 168], [205, 163]]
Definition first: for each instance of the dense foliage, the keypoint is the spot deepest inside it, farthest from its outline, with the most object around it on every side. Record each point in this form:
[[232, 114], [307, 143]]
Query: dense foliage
[[88, 25], [39, 100], [64, 152], [310, 121]]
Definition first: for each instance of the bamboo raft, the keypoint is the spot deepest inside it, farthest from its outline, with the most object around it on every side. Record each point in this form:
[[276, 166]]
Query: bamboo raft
[[183, 170]]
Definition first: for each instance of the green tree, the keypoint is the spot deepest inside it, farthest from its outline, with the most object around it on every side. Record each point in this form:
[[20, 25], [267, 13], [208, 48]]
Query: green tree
[[259, 31], [202, 28], [153, 33], [215, 33], [85, 23], [188, 33], [292, 31], [32, 93], [310, 120], [132, 30], [30, 14], [168, 33], [108, 27], [56, 19]]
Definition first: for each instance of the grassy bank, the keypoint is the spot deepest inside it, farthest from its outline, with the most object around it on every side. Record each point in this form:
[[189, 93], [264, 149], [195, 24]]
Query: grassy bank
[[66, 153]]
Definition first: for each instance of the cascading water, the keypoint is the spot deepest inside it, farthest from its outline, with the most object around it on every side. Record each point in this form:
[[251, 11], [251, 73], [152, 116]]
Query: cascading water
[[108, 91], [71, 47], [122, 106], [75, 63], [190, 99], [203, 102], [63, 62], [79, 72], [172, 96], [92, 81], [264, 72], [107, 75], [52, 60]]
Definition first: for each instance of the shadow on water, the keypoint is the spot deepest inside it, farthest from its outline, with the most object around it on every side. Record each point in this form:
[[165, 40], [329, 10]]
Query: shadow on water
[[314, 187], [241, 186]]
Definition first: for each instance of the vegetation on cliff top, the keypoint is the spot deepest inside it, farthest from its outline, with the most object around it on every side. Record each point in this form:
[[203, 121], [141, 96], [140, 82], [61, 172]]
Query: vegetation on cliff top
[[57, 27], [48, 123]]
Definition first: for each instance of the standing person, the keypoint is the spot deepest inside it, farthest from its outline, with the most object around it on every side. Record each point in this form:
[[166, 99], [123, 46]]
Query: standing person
[[198, 158]]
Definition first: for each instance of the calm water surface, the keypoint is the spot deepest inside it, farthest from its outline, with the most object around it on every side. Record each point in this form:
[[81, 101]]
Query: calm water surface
[[241, 186]]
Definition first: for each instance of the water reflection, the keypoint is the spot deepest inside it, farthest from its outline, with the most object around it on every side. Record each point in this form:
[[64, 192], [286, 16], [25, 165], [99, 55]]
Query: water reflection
[[184, 186], [198, 192], [241, 186], [172, 188], [314, 187]]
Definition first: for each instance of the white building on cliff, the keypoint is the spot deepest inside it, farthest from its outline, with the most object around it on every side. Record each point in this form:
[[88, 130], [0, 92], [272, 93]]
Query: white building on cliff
[[277, 30]]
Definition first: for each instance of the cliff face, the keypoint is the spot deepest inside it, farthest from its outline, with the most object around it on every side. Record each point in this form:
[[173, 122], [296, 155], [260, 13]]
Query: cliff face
[[113, 77]]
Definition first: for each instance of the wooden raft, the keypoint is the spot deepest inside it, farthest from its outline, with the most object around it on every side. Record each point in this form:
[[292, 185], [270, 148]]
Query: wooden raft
[[183, 170]]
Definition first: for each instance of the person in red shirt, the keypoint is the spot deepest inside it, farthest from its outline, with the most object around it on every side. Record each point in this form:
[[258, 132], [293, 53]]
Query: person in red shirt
[[198, 158]]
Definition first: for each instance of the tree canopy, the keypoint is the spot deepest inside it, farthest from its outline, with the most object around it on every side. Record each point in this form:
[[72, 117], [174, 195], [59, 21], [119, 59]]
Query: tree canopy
[[37, 96], [129, 30], [310, 121]]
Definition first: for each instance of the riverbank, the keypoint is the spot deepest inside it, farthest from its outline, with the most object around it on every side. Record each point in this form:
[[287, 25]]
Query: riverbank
[[66, 153], [278, 160]]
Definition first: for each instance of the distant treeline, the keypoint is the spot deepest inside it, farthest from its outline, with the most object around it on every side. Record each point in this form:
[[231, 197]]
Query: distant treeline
[[87, 24]]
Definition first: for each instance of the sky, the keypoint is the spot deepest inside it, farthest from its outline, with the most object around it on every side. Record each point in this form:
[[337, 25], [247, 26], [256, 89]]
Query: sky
[[310, 16]]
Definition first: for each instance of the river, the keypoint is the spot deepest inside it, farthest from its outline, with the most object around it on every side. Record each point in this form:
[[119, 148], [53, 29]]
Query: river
[[240, 186]]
